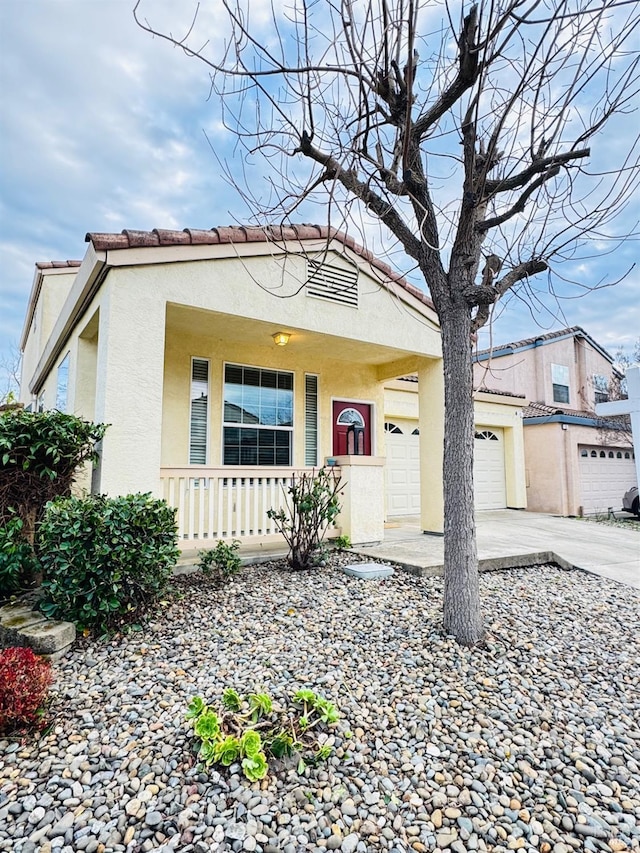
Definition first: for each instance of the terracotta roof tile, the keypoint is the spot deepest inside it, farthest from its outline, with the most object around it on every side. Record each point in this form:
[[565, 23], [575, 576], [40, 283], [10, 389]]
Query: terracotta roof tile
[[501, 393], [171, 238], [130, 239], [56, 265], [547, 336], [102, 242], [540, 410]]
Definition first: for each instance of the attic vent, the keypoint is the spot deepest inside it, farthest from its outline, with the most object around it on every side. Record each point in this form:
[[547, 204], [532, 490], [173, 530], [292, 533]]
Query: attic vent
[[336, 284]]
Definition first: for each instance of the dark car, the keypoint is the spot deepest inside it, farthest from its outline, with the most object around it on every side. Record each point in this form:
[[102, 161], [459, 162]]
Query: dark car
[[630, 501]]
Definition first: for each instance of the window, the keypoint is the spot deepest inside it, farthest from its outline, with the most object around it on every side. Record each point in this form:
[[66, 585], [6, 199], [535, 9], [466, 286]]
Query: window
[[601, 388], [560, 380], [486, 435], [392, 428], [584, 453], [258, 416], [62, 384], [310, 419], [198, 428], [350, 416]]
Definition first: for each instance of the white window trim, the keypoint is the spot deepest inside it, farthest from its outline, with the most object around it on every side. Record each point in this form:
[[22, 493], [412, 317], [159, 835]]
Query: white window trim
[[65, 363], [291, 429]]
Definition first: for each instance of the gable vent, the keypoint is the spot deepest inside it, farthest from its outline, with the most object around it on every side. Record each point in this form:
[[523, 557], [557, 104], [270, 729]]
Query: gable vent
[[335, 284]]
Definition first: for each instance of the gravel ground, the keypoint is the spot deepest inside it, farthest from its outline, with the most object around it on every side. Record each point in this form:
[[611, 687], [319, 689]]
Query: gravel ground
[[529, 742]]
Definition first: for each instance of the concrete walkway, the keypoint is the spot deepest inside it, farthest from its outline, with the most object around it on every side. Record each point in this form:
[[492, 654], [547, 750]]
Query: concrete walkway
[[510, 538]]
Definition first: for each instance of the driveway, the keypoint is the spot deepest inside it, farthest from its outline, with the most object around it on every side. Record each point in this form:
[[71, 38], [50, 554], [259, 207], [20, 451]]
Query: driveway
[[509, 538]]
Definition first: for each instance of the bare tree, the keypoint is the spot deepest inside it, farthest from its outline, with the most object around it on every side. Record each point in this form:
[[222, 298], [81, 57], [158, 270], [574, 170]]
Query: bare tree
[[10, 366], [464, 129], [616, 430]]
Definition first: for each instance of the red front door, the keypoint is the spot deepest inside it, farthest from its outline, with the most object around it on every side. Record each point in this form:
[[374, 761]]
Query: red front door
[[351, 428]]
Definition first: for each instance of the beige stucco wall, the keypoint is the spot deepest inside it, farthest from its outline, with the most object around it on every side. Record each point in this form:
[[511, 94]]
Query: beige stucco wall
[[53, 288], [553, 465], [528, 372], [335, 381], [130, 354]]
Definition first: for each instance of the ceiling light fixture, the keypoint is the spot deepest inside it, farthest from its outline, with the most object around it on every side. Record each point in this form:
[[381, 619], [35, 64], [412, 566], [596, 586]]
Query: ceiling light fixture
[[281, 339]]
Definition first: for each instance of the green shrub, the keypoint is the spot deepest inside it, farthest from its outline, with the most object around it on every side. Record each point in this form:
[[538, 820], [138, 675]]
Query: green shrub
[[221, 562], [40, 453], [342, 543], [105, 559], [24, 684], [18, 563], [312, 505]]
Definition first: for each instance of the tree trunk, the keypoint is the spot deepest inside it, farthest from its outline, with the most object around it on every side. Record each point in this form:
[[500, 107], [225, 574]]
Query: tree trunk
[[462, 614]]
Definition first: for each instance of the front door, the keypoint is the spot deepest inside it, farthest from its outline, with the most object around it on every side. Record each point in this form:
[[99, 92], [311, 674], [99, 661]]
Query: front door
[[351, 428]]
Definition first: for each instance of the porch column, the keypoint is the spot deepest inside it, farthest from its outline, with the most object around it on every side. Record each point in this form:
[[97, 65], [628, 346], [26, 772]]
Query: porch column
[[362, 514], [129, 382], [431, 419]]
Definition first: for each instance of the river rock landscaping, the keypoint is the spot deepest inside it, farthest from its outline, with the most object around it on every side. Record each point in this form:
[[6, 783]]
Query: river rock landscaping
[[529, 742]]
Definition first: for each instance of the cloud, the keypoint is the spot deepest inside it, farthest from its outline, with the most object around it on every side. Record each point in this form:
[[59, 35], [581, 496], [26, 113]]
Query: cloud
[[104, 128]]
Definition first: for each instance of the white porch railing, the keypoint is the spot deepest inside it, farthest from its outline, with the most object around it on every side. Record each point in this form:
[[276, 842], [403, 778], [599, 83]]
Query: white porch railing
[[226, 503]]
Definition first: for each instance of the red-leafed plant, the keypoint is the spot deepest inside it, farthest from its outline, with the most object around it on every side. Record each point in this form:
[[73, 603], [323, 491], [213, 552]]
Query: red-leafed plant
[[24, 684]]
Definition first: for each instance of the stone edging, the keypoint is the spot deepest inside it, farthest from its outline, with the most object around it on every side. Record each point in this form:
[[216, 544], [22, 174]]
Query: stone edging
[[22, 626]]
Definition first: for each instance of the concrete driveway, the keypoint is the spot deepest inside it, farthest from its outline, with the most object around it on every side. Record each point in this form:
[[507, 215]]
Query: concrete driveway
[[510, 538]]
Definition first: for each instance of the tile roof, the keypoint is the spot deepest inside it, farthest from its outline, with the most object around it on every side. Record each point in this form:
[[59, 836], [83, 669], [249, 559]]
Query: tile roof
[[501, 393], [541, 410], [56, 265], [412, 377], [576, 331], [129, 239]]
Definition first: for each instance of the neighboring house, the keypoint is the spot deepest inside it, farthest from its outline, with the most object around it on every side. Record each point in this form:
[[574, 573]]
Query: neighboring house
[[498, 471], [226, 360], [577, 464]]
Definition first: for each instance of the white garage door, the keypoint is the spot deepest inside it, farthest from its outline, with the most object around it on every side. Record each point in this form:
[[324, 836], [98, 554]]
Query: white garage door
[[403, 469], [488, 469], [605, 475]]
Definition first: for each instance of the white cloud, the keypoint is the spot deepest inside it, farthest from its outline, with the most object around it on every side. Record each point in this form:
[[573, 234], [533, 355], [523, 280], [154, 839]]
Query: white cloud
[[103, 130]]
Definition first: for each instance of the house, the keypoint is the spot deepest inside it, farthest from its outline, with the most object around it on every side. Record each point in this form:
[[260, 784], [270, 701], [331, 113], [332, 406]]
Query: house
[[576, 463], [225, 360]]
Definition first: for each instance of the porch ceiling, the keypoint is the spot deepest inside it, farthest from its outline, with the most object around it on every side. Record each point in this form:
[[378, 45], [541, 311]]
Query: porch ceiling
[[308, 344]]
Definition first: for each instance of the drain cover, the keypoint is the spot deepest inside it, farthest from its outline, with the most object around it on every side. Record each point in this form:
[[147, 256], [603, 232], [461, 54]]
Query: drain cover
[[367, 571]]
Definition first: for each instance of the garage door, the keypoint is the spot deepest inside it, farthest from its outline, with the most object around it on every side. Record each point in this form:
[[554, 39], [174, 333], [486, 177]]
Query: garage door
[[403, 469], [605, 475], [488, 469]]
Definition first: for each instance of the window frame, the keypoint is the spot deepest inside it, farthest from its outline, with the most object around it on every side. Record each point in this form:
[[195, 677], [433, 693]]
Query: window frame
[[555, 383], [600, 388], [65, 366], [271, 427]]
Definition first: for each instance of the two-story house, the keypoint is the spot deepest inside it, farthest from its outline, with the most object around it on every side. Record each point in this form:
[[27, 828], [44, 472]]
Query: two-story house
[[576, 464]]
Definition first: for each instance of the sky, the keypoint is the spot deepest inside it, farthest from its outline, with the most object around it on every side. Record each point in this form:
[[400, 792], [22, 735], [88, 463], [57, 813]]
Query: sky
[[103, 127]]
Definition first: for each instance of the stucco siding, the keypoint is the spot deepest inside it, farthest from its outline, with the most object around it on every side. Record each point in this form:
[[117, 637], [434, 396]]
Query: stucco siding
[[336, 380]]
